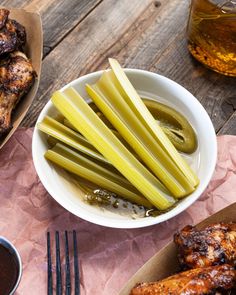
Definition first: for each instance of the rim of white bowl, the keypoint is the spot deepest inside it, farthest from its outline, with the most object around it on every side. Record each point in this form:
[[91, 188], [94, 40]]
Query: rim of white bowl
[[145, 221]]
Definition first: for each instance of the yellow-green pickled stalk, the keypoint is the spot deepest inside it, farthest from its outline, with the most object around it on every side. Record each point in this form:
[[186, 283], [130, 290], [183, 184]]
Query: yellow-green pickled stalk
[[136, 104], [69, 125], [111, 103], [85, 168], [76, 110], [70, 137]]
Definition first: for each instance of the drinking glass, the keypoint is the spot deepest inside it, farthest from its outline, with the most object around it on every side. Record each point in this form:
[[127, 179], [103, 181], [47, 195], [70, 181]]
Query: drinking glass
[[212, 34]]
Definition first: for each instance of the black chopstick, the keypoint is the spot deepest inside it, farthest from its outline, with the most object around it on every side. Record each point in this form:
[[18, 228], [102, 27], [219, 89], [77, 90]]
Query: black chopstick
[[67, 268], [58, 266], [76, 266], [50, 289]]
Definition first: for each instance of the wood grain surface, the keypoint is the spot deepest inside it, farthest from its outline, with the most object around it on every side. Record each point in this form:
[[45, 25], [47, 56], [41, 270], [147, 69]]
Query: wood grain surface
[[59, 17], [80, 35]]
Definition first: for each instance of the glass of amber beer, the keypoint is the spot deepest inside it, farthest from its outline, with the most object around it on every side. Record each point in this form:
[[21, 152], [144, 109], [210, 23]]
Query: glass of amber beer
[[212, 34]]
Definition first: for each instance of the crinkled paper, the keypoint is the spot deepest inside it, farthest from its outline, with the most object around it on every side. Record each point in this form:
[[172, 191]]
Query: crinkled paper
[[107, 257]]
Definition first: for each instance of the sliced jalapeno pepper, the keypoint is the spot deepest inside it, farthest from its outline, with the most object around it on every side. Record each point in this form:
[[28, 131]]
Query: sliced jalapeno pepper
[[175, 125]]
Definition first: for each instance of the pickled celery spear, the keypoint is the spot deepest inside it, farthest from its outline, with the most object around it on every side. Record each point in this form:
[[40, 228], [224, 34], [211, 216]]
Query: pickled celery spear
[[174, 124], [127, 90], [70, 137], [90, 164], [76, 110], [138, 136], [119, 114], [52, 141], [69, 125], [83, 167]]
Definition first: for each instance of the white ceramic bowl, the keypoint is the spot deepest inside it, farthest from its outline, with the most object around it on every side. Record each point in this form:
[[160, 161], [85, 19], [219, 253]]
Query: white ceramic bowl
[[148, 84]]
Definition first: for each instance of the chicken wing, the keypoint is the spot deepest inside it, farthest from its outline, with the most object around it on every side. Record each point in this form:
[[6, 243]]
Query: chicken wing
[[12, 34], [214, 245], [199, 281], [16, 77], [3, 17]]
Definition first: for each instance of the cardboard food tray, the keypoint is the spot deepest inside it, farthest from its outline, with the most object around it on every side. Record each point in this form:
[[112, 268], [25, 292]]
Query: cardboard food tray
[[33, 49], [164, 263]]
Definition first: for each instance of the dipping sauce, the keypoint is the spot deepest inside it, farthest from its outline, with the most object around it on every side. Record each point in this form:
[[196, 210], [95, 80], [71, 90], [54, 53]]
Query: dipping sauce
[[9, 270]]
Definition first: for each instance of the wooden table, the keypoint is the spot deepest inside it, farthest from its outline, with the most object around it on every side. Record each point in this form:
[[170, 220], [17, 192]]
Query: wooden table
[[79, 36]]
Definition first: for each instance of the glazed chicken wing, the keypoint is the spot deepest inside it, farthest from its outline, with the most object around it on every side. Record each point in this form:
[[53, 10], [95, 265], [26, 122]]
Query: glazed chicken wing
[[16, 77], [199, 281], [12, 34], [214, 245]]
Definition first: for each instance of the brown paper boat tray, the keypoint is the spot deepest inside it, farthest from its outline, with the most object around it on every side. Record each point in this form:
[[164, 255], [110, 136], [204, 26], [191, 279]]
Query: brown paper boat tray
[[33, 25], [164, 263]]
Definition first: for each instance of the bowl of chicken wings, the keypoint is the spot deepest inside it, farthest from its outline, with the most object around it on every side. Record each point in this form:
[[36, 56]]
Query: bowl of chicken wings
[[201, 260], [20, 65]]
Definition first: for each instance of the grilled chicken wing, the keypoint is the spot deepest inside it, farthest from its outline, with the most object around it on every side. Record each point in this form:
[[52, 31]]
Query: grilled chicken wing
[[214, 245], [199, 281], [3, 17], [12, 34], [16, 77]]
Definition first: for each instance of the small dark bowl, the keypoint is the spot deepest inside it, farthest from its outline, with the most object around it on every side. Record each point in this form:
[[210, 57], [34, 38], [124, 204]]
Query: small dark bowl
[[10, 252]]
